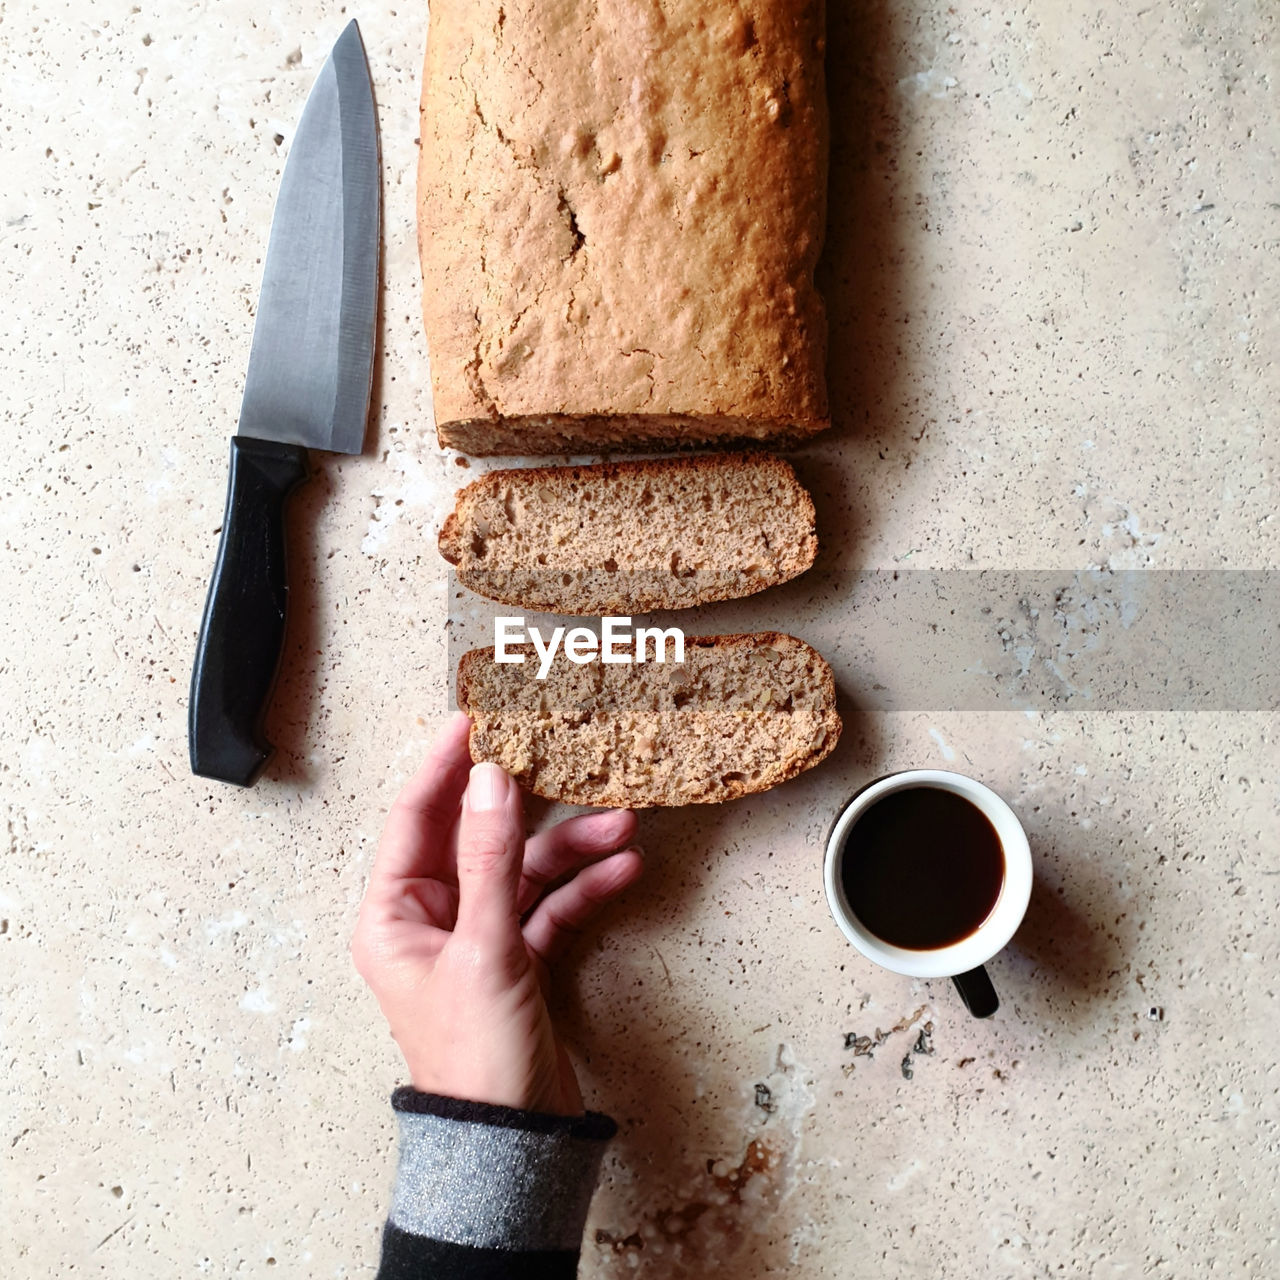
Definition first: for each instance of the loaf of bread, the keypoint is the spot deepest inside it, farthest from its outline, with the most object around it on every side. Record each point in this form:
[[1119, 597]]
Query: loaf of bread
[[621, 206], [631, 537], [741, 714]]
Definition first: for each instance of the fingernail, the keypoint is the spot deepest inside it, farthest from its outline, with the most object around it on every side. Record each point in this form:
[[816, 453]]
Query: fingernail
[[487, 788], [603, 822]]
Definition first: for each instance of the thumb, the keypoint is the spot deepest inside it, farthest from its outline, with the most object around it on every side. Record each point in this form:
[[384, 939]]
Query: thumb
[[490, 853]]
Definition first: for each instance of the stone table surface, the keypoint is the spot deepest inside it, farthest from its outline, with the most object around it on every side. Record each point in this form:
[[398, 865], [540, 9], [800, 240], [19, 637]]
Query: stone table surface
[[1055, 310]]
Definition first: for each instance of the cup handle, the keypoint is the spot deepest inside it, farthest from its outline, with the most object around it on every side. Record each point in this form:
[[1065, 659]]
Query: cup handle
[[976, 991]]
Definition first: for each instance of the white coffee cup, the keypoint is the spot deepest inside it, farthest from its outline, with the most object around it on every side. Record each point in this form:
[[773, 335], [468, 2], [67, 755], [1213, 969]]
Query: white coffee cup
[[961, 961]]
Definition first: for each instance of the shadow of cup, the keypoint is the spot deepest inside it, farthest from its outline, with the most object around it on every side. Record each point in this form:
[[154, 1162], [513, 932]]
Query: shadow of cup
[[1065, 956]]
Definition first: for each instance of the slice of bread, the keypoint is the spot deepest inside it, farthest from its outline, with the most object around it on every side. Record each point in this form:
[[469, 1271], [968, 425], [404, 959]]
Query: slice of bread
[[631, 537], [740, 714]]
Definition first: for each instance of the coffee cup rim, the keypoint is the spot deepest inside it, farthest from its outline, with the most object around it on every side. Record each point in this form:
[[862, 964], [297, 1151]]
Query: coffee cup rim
[[1002, 921]]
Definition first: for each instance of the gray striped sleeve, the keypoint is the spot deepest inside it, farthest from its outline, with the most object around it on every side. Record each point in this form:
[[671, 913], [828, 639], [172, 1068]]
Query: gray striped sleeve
[[490, 1177]]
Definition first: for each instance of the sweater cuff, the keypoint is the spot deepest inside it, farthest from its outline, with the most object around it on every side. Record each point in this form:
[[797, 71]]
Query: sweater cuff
[[491, 1177]]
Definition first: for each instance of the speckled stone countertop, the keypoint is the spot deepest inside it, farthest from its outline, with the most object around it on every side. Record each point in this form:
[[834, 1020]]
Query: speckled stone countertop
[[1055, 311]]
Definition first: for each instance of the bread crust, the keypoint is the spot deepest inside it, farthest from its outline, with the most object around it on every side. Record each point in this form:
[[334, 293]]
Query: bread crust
[[450, 539], [628, 795], [621, 208]]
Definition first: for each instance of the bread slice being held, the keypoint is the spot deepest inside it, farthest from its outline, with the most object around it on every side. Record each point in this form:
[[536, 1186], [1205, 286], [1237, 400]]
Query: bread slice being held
[[631, 537], [741, 714]]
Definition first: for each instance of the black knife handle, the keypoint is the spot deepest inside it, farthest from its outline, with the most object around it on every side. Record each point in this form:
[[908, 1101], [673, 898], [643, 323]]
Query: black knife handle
[[242, 635]]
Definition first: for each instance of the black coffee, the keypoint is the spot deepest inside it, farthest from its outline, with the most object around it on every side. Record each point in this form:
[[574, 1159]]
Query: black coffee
[[922, 868]]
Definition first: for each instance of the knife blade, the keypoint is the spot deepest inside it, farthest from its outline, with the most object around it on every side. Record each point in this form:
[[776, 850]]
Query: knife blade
[[307, 387]]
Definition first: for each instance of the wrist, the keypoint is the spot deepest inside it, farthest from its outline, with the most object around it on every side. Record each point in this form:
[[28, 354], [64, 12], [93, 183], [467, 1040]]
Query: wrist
[[408, 1099], [477, 1091], [526, 1072]]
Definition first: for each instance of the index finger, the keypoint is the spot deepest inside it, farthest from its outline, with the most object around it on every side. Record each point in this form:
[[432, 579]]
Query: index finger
[[415, 840]]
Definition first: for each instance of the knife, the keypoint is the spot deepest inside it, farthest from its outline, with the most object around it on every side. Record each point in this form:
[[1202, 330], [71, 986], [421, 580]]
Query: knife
[[307, 387]]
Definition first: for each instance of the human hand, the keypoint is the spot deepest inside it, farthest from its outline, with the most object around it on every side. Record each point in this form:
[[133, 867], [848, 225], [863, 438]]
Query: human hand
[[461, 918]]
